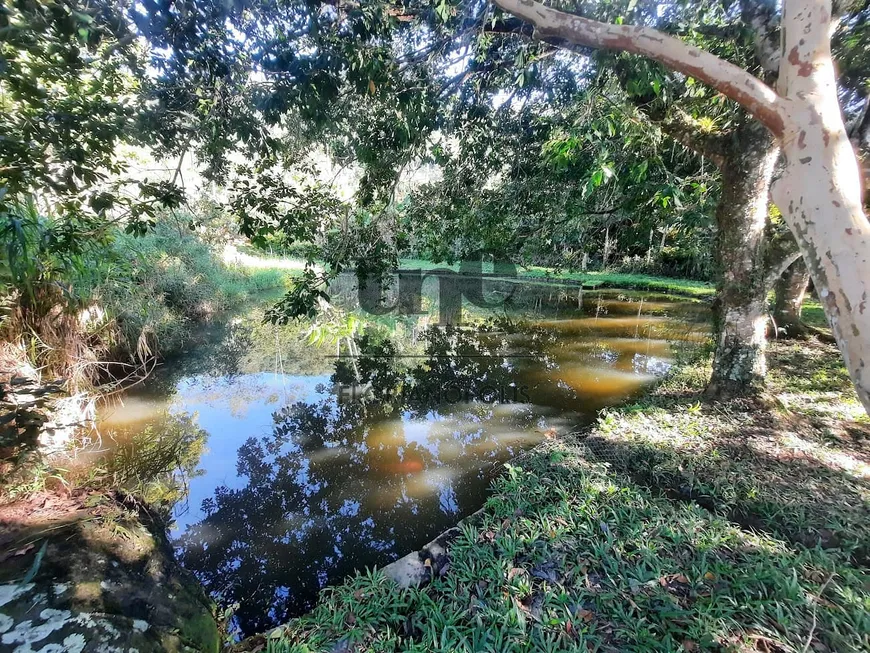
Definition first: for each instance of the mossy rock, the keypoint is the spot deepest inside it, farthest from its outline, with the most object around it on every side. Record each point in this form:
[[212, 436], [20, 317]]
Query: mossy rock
[[105, 580]]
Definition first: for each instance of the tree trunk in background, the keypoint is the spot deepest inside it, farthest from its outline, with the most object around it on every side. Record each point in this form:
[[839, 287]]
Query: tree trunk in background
[[739, 363], [790, 290]]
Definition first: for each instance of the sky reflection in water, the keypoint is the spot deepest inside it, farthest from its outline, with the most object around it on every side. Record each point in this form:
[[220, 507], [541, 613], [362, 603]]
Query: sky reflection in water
[[299, 488]]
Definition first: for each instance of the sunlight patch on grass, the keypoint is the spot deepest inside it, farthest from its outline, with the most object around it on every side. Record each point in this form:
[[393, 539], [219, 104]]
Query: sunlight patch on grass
[[810, 378], [813, 314], [588, 279], [826, 454]]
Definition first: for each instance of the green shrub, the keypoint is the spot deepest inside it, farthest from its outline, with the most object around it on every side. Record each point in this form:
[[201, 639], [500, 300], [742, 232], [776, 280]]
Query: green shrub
[[75, 299]]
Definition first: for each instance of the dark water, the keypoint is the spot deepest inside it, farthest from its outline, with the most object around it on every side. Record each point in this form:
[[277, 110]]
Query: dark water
[[313, 451]]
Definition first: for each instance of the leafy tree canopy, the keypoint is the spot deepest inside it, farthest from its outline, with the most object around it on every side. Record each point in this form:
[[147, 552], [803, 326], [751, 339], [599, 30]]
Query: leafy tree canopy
[[537, 150]]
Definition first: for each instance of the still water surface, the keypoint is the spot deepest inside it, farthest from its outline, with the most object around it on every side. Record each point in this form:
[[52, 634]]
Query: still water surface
[[315, 459]]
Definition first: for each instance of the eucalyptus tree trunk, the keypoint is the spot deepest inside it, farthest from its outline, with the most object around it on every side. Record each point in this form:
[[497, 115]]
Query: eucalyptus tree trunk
[[747, 165], [819, 191], [790, 290]]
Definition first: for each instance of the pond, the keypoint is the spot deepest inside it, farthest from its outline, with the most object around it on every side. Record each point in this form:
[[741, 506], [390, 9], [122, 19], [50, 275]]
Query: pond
[[316, 449]]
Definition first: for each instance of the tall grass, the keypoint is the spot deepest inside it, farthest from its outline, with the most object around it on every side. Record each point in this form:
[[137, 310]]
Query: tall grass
[[92, 303], [48, 276], [175, 280]]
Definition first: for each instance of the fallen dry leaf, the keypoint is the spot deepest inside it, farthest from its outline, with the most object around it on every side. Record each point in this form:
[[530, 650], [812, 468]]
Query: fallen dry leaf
[[516, 571], [488, 536]]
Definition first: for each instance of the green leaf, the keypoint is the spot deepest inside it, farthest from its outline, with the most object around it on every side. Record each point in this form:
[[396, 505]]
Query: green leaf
[[597, 177]]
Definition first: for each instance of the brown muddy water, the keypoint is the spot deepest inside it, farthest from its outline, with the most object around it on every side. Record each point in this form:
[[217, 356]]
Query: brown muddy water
[[309, 451]]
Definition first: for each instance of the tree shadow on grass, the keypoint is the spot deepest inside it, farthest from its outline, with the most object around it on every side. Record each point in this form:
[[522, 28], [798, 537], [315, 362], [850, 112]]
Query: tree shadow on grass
[[674, 574], [765, 477], [568, 555], [810, 380], [792, 467]]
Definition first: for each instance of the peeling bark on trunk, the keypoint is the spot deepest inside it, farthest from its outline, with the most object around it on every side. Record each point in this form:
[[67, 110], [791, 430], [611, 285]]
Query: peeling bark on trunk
[[790, 290], [819, 192], [739, 363]]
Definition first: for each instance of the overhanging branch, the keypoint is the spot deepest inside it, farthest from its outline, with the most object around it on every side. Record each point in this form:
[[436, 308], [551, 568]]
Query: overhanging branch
[[763, 18], [780, 267], [682, 128], [750, 92]]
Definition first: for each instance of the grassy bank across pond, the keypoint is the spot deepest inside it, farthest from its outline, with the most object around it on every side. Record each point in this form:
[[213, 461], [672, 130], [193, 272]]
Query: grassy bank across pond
[[590, 280], [673, 524]]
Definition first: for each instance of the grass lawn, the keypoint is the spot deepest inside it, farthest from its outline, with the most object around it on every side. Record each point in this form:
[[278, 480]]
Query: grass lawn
[[813, 314], [674, 524], [592, 279]]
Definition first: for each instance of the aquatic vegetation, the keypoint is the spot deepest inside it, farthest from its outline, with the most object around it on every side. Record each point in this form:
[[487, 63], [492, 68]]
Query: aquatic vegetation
[[154, 464]]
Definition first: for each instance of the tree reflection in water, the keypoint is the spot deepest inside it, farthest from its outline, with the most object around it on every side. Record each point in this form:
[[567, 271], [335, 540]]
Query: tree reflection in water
[[340, 485]]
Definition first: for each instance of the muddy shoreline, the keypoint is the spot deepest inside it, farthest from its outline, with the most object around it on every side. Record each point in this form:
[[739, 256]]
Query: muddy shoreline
[[94, 570]]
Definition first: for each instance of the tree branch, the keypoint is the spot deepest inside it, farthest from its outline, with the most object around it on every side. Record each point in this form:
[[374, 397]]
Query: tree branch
[[859, 130], [859, 136], [782, 252], [510, 25], [762, 18], [780, 268], [750, 92]]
